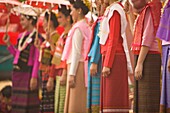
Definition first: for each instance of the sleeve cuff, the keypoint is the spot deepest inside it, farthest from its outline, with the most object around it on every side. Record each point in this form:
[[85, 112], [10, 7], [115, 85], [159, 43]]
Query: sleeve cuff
[[35, 76], [92, 60], [52, 71], [52, 52], [107, 65], [72, 74]]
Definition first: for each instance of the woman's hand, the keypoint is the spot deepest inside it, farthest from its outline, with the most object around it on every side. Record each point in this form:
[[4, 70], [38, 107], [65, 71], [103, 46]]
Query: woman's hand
[[63, 79], [50, 84], [72, 82], [138, 71], [33, 83], [37, 43], [141, 58], [93, 69], [168, 65], [106, 71], [6, 39]]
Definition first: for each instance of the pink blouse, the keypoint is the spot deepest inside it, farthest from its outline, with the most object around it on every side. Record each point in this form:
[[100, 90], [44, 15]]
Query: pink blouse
[[149, 38], [32, 61]]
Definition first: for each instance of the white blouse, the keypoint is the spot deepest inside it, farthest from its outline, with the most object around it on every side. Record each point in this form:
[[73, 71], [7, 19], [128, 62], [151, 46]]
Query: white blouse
[[76, 52]]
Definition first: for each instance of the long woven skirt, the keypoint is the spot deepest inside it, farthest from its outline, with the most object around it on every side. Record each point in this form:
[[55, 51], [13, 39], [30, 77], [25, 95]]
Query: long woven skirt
[[147, 90], [23, 99], [60, 94], [114, 88], [93, 90], [165, 94], [47, 101], [76, 97]]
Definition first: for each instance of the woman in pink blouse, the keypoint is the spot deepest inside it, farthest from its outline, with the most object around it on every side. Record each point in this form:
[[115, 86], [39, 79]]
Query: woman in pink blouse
[[25, 68], [147, 57]]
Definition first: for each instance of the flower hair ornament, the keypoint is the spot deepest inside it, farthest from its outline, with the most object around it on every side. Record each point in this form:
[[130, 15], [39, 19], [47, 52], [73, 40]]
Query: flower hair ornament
[[87, 3]]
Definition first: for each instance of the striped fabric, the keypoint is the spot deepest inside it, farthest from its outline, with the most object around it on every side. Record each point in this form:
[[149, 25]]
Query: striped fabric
[[47, 101], [93, 94], [23, 100], [115, 110], [60, 94], [114, 88], [147, 90], [165, 94]]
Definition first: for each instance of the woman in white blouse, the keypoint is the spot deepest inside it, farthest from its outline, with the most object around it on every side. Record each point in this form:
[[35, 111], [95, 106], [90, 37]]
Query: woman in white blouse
[[74, 54]]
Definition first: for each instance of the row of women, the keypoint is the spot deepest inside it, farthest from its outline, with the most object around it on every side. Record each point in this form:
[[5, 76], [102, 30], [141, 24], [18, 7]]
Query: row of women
[[86, 68]]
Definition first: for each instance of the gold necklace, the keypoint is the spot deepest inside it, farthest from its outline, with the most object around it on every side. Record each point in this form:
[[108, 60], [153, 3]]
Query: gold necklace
[[26, 42]]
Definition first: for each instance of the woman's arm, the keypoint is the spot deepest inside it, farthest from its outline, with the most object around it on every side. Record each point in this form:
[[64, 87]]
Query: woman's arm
[[147, 40], [76, 51], [10, 47], [112, 42], [76, 55]]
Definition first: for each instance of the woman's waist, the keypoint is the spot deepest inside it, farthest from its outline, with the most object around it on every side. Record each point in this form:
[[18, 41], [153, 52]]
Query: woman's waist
[[81, 58], [136, 52], [22, 66], [118, 51], [43, 66], [152, 50], [70, 61], [62, 65], [119, 48], [154, 47]]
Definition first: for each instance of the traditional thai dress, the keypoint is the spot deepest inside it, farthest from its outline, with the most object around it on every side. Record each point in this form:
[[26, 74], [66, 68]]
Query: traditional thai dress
[[116, 56], [74, 54], [164, 34], [94, 56], [25, 67], [47, 101], [147, 90], [56, 72]]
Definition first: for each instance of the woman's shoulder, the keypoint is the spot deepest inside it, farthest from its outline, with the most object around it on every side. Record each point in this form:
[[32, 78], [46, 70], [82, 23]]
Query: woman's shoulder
[[20, 35]]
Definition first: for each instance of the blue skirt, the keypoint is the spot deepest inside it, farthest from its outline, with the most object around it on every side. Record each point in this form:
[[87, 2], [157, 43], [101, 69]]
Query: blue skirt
[[165, 94]]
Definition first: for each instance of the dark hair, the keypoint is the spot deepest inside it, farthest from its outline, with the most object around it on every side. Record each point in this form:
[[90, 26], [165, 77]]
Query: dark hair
[[80, 4], [6, 91], [53, 18], [66, 12], [33, 18], [72, 1]]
